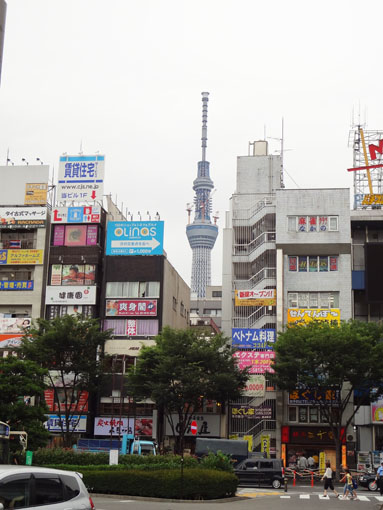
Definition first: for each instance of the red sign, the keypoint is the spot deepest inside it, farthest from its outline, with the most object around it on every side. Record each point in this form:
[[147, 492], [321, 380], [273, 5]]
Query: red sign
[[78, 403], [193, 427], [131, 307]]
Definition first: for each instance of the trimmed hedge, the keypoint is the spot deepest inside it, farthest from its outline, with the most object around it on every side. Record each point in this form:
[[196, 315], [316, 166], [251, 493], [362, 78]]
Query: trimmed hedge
[[196, 484]]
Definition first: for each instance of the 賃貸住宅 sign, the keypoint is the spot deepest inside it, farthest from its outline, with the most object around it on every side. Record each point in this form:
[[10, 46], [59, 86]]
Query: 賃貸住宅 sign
[[306, 315], [253, 338], [307, 397], [258, 412], [18, 257], [258, 362], [81, 214], [76, 294], [255, 386], [135, 238], [131, 307], [76, 423], [207, 425], [17, 285], [81, 178], [112, 426], [36, 193], [266, 297], [22, 217]]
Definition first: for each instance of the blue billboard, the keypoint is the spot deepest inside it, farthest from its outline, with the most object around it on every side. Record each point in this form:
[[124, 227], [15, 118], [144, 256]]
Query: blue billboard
[[135, 238], [253, 338]]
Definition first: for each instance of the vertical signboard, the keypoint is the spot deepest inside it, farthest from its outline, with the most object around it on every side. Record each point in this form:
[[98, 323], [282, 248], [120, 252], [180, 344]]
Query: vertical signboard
[[81, 178]]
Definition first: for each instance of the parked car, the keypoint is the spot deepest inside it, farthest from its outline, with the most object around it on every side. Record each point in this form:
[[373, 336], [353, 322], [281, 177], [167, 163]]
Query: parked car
[[368, 480], [51, 489], [260, 472]]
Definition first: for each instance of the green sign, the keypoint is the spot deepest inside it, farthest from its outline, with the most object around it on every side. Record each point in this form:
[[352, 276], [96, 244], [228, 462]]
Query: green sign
[[28, 458]]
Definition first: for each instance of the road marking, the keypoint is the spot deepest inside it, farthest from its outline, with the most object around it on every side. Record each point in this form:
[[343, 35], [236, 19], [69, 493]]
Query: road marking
[[285, 497], [379, 498], [255, 494], [323, 497], [126, 501], [304, 496]]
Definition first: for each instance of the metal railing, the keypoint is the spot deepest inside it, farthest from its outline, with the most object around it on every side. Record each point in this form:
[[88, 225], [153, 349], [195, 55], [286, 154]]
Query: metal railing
[[251, 283], [248, 248]]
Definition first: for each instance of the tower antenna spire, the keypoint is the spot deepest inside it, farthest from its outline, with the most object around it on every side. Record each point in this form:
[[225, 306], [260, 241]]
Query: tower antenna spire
[[205, 99]]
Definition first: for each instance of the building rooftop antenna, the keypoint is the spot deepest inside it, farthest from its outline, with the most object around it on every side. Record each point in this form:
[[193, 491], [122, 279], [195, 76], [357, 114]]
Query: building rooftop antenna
[[205, 100]]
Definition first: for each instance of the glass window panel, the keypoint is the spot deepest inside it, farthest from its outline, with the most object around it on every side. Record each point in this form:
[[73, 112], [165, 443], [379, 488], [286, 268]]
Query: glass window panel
[[302, 223], [313, 414], [71, 486], [154, 289], [302, 264], [302, 414], [292, 413], [323, 300], [14, 491], [118, 326], [323, 264], [333, 263], [333, 222], [293, 299], [142, 289], [323, 223], [313, 223], [48, 491], [323, 417], [114, 289], [147, 327], [313, 300], [292, 223], [313, 264], [292, 263], [303, 300], [334, 299]]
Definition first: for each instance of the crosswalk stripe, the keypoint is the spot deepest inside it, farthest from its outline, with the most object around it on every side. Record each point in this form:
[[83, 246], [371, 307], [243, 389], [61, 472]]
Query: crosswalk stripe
[[304, 496], [379, 498], [285, 497], [363, 498]]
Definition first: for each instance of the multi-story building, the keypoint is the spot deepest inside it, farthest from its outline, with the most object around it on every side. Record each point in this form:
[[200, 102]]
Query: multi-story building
[[24, 228], [206, 313]]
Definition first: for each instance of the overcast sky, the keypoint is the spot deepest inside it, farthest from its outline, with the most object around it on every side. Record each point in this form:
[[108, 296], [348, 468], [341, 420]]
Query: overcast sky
[[124, 77]]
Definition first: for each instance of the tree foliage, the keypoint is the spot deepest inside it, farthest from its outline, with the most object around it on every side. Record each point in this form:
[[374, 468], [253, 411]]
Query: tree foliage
[[182, 370], [68, 347], [21, 379], [336, 359]]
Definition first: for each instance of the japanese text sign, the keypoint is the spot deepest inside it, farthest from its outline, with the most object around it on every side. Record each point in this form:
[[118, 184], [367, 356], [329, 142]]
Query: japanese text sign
[[13, 257], [22, 217], [266, 297], [305, 315], [83, 214], [260, 413], [254, 338], [81, 178], [305, 397], [255, 386], [135, 238], [259, 362], [17, 285], [76, 294], [132, 307], [36, 193], [76, 423]]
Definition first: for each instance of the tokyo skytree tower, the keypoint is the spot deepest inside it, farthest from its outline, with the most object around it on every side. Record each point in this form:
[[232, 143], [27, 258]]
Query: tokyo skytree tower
[[202, 233]]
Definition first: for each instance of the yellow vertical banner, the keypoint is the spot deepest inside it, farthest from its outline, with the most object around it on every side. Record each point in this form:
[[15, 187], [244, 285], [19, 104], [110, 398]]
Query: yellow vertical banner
[[265, 444], [344, 455], [283, 454], [322, 463], [249, 440]]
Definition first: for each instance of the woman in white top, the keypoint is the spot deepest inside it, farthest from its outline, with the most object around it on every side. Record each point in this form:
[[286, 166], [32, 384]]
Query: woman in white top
[[328, 483]]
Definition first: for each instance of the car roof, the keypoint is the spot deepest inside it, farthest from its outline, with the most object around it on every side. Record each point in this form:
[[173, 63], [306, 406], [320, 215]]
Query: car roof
[[13, 468]]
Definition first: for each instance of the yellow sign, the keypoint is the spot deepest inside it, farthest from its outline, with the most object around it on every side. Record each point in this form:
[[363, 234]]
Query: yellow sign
[[249, 440], [265, 444], [36, 193], [306, 315], [283, 454], [10, 257], [266, 297], [372, 200], [322, 463], [344, 455]]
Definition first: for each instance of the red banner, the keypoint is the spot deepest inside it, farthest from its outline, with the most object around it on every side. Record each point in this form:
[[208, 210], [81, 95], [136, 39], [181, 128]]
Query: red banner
[[79, 404]]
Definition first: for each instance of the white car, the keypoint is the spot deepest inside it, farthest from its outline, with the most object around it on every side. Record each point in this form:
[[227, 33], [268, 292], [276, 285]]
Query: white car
[[39, 487]]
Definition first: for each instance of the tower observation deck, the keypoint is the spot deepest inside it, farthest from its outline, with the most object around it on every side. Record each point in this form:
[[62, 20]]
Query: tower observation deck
[[202, 233]]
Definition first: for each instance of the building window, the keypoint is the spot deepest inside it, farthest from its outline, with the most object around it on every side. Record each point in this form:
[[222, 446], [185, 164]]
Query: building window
[[292, 413], [132, 327], [313, 299], [217, 293], [182, 309], [312, 223], [212, 312], [174, 304], [313, 414], [133, 289], [313, 263], [302, 415]]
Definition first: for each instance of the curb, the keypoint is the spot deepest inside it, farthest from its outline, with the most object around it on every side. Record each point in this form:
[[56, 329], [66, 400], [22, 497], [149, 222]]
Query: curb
[[163, 500]]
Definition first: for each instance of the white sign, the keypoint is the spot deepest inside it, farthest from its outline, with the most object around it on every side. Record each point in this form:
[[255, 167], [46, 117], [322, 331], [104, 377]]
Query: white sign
[[106, 426], [113, 457], [81, 178], [22, 217], [208, 425], [81, 214], [72, 295], [255, 386], [75, 424]]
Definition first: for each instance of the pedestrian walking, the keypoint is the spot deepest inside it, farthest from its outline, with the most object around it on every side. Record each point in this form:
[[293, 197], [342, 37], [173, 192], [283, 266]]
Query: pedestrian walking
[[349, 485], [311, 462], [379, 478], [328, 480]]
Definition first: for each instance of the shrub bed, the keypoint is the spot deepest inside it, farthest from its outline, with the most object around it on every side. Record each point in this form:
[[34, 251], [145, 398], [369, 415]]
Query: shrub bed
[[196, 483]]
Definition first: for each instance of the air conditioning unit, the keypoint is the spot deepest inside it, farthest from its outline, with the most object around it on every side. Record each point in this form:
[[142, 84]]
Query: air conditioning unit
[[350, 437]]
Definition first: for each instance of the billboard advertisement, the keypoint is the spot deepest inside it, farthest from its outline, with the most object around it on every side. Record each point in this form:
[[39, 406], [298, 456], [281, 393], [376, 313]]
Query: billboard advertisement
[[20, 217], [133, 307], [68, 398], [135, 238], [76, 423], [14, 324], [377, 411], [10, 341], [253, 338], [112, 426], [266, 297], [259, 362], [305, 315], [17, 285], [15, 257], [259, 412], [307, 397], [81, 214], [75, 295], [208, 425], [81, 178], [36, 193], [255, 386]]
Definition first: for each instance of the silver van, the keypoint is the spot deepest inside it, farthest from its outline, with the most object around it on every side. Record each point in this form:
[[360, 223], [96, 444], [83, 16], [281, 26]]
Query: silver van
[[42, 488]]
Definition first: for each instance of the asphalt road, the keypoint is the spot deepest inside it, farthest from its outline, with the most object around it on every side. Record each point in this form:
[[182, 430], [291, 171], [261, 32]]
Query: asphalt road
[[248, 499]]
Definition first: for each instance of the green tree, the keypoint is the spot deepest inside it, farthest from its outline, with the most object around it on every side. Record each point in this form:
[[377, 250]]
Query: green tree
[[69, 348], [332, 361], [20, 379], [181, 370]]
